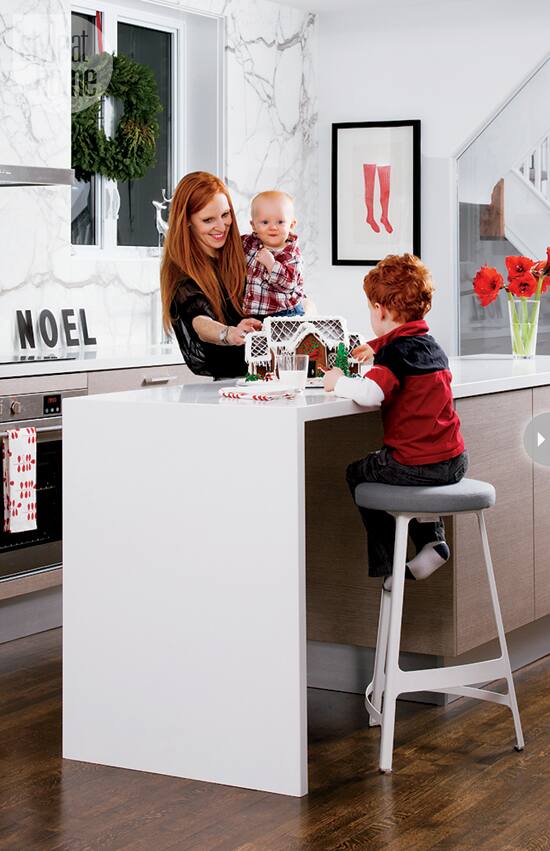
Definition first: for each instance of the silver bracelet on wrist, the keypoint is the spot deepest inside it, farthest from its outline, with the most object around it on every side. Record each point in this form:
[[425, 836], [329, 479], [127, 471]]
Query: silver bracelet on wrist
[[222, 336]]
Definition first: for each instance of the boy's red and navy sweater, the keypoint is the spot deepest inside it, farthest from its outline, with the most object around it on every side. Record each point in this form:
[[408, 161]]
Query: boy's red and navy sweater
[[411, 381]]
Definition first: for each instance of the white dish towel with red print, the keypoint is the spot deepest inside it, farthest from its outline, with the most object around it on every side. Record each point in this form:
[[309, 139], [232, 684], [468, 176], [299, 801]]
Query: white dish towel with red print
[[19, 472]]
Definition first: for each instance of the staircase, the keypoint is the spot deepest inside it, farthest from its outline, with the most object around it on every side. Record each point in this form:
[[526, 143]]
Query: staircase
[[503, 183], [518, 128], [527, 202]]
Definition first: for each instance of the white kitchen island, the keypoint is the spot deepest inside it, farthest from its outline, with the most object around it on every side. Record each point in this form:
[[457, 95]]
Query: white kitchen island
[[184, 576], [184, 592]]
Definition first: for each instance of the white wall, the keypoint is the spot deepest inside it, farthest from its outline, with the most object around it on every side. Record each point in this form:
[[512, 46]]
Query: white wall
[[450, 64]]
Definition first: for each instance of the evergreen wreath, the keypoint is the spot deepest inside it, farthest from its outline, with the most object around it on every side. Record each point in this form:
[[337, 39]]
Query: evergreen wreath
[[131, 151]]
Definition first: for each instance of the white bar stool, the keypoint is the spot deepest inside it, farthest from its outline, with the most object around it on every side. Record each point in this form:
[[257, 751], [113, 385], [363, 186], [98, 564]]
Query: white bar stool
[[389, 681]]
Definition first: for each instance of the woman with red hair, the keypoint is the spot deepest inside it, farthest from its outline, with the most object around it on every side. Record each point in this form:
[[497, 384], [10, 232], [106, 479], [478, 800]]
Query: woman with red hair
[[202, 278]]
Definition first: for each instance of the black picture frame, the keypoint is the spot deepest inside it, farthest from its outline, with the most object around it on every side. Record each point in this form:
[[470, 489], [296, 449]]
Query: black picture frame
[[379, 151]]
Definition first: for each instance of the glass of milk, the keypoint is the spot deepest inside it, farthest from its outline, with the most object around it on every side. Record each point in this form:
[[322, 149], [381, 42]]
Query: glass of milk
[[292, 370]]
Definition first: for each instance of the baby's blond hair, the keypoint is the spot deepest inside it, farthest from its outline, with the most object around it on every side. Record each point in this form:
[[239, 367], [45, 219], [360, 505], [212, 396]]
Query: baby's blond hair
[[273, 195]]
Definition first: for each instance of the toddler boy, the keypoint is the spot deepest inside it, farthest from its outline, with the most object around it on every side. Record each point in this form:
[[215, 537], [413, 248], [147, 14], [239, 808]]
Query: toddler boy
[[411, 382], [274, 282]]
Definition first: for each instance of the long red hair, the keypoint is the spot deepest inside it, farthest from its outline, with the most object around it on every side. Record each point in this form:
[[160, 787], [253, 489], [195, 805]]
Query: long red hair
[[183, 255]]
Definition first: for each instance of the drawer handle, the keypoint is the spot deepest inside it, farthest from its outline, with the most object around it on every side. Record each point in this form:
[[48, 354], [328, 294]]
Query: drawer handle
[[164, 379]]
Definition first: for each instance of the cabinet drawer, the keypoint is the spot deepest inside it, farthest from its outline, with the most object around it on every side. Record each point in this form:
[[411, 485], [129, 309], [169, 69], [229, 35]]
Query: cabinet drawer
[[55, 383], [112, 381]]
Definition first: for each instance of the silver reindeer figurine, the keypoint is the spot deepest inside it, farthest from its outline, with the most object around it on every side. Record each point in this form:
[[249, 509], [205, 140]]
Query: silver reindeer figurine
[[162, 224]]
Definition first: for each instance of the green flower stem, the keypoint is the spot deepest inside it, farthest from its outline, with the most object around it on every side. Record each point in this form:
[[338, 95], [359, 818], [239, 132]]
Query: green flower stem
[[516, 335], [534, 317], [524, 329]]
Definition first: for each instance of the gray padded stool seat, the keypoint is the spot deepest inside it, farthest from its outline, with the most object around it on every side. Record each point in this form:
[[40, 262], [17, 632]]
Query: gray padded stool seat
[[405, 502], [466, 495]]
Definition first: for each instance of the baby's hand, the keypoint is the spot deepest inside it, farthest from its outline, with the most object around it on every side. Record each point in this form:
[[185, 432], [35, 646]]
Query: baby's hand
[[363, 353], [330, 378], [266, 258]]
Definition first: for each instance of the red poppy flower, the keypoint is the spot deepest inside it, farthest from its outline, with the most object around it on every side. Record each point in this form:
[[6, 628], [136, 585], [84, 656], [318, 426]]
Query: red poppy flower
[[487, 284], [539, 271], [542, 270], [518, 267], [523, 286]]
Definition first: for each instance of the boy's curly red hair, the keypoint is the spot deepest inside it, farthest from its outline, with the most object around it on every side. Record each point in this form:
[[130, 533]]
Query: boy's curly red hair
[[401, 284]]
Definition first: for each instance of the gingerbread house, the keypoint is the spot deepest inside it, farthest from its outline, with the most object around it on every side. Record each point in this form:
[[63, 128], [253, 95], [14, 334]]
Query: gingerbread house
[[318, 337]]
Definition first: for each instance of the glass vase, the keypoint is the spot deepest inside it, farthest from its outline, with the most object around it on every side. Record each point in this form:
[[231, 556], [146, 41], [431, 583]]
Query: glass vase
[[524, 320]]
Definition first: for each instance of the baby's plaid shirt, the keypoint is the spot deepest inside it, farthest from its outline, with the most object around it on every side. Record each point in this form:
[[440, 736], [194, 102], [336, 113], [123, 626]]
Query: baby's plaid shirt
[[266, 292]]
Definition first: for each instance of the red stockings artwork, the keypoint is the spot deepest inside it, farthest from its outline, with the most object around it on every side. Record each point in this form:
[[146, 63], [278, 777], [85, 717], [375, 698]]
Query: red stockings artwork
[[369, 172]]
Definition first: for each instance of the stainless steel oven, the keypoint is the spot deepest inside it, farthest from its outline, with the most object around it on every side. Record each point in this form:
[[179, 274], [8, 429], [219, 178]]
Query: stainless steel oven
[[23, 553]]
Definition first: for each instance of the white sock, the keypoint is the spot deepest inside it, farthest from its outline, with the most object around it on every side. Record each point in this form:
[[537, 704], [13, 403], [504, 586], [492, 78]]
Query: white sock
[[427, 561]]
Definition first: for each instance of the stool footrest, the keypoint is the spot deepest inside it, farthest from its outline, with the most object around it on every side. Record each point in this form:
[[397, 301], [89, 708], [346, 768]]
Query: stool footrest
[[477, 693], [441, 679], [375, 717]]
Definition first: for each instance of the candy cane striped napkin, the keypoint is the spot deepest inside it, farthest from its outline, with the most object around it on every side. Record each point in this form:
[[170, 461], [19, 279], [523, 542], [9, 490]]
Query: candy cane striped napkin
[[254, 393], [19, 474]]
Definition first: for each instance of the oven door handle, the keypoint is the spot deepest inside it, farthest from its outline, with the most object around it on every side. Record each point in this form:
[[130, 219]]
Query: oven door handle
[[39, 430]]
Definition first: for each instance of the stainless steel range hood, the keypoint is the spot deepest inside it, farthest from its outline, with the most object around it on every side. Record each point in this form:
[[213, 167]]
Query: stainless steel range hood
[[28, 175]]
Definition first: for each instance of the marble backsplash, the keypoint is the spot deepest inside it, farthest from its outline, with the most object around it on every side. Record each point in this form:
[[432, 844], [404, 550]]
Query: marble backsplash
[[271, 141]]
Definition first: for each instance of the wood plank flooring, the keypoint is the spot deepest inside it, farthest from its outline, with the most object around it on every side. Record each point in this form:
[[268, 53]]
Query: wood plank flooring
[[457, 782]]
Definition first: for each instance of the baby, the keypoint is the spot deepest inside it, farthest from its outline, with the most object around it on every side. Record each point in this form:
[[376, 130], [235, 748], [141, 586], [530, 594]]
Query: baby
[[274, 282]]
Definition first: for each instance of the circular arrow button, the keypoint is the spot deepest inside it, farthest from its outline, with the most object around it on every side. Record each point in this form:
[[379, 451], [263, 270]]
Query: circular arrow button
[[536, 439]]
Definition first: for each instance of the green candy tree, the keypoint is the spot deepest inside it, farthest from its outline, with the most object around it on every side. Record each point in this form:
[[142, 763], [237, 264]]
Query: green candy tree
[[341, 361]]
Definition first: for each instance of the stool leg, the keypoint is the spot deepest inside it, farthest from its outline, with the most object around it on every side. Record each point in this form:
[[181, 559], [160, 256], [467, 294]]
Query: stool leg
[[500, 629], [394, 638], [380, 656]]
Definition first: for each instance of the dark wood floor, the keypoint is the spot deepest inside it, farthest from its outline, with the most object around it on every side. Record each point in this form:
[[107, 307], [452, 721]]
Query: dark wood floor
[[457, 782]]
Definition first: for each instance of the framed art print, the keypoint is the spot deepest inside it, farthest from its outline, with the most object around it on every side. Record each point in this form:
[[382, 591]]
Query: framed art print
[[375, 191]]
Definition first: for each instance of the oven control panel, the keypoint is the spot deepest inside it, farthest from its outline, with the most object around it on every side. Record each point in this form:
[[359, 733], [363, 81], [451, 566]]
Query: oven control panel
[[27, 407], [52, 404]]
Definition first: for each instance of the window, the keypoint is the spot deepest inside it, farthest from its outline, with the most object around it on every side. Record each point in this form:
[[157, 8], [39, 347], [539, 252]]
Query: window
[[83, 194], [136, 223], [185, 56]]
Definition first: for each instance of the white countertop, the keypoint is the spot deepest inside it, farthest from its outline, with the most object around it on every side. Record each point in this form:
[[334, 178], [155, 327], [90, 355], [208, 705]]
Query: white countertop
[[476, 375], [472, 376], [92, 361]]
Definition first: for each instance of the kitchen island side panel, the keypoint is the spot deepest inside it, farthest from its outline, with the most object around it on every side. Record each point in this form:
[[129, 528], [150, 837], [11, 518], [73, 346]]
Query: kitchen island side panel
[[184, 591]]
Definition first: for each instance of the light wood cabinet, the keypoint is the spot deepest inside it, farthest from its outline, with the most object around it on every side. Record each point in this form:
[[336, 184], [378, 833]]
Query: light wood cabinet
[[493, 428], [114, 380], [22, 585], [43, 383], [342, 600], [541, 494], [449, 613]]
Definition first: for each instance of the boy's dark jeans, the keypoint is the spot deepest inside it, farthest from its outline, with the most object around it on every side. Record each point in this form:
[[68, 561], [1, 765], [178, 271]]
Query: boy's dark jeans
[[381, 467]]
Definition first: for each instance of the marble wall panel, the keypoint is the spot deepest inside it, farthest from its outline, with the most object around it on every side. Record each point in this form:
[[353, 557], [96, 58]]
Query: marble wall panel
[[271, 143]]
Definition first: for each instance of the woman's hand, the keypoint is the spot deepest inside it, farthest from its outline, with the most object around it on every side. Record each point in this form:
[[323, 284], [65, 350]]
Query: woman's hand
[[236, 335], [363, 353], [330, 378], [249, 324]]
